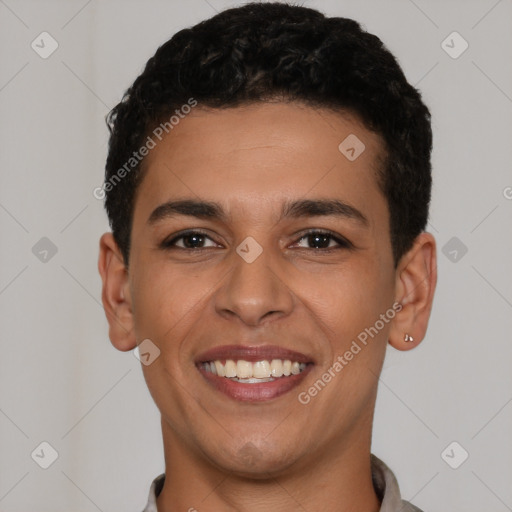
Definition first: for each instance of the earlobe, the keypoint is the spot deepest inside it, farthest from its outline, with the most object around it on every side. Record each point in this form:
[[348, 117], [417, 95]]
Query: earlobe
[[416, 282], [115, 294]]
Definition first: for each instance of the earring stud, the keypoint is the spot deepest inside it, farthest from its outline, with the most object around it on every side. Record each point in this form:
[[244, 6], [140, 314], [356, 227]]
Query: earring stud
[[408, 338]]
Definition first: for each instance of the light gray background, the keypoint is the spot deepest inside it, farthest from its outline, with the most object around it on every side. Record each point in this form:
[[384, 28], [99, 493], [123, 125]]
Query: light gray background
[[61, 380]]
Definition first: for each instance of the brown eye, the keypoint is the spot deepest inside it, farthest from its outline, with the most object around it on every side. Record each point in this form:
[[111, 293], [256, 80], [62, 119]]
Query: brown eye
[[188, 240], [322, 240]]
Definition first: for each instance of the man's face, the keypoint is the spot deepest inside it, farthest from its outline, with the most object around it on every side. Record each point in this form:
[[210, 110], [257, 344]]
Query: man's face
[[308, 294]]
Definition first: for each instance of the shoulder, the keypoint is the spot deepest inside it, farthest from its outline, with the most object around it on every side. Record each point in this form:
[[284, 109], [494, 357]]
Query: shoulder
[[154, 491], [387, 489]]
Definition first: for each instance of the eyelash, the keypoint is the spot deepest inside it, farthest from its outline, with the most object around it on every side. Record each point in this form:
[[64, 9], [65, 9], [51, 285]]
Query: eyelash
[[343, 243]]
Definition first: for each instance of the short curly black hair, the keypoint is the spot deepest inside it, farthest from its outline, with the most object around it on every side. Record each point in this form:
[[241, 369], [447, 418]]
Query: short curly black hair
[[262, 51]]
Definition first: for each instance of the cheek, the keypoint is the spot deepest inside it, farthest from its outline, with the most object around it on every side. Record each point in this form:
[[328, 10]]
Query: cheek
[[349, 299], [166, 300]]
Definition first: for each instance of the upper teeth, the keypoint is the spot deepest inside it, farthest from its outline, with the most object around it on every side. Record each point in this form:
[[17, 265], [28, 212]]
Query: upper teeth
[[242, 369]]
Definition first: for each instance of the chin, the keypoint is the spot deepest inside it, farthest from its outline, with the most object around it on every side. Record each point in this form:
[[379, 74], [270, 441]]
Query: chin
[[256, 459]]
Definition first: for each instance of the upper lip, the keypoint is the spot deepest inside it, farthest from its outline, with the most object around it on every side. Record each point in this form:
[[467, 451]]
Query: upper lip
[[252, 353]]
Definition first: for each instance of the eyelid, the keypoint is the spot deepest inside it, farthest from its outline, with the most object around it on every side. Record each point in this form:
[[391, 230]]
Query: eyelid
[[170, 241], [339, 239], [342, 242]]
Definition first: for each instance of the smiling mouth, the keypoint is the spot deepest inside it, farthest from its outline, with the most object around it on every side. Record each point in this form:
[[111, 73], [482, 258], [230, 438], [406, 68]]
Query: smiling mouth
[[256, 381], [253, 372]]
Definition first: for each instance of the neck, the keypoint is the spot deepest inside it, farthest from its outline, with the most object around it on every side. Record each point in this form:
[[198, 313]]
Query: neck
[[339, 479]]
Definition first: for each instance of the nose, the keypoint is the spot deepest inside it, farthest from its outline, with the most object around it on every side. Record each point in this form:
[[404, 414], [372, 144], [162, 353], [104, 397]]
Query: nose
[[254, 292]]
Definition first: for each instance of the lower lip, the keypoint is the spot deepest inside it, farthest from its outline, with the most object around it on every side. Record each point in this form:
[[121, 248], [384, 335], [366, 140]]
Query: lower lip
[[255, 392]]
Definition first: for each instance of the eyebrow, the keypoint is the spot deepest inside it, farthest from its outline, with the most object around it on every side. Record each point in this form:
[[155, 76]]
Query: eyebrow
[[290, 209]]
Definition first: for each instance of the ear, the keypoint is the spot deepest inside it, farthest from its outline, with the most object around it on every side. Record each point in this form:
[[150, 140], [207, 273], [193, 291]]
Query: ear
[[115, 294], [416, 279]]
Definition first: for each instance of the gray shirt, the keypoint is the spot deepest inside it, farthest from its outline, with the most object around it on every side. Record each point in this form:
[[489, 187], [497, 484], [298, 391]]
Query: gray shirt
[[384, 483]]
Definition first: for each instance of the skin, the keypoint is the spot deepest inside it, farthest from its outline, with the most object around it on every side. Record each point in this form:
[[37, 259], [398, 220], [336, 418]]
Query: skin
[[226, 455]]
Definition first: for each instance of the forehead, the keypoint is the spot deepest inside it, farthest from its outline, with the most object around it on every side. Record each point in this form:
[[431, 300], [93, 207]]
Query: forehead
[[262, 152]]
